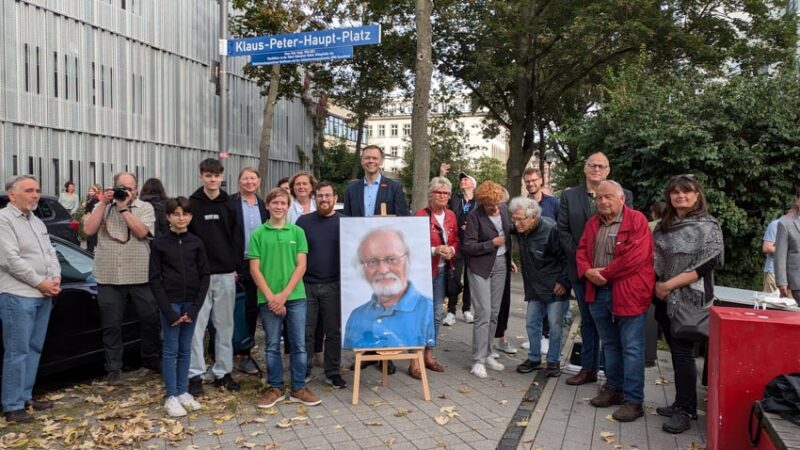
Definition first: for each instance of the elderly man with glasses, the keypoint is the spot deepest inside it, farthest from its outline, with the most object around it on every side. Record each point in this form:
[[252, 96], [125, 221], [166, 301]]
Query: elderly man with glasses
[[397, 314]]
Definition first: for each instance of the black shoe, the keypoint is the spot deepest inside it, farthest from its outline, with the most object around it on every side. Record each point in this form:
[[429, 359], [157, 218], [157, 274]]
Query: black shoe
[[335, 381], [553, 369], [19, 416], [364, 364], [668, 411], [39, 405], [391, 369], [529, 366], [227, 383], [196, 386], [677, 423], [114, 378], [152, 364]]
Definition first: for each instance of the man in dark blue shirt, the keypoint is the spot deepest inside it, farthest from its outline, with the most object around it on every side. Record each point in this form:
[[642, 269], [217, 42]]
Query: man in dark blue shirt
[[323, 281], [533, 184]]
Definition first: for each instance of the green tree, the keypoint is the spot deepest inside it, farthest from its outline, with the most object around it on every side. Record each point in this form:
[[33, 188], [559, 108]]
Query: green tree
[[534, 64], [740, 138], [335, 165]]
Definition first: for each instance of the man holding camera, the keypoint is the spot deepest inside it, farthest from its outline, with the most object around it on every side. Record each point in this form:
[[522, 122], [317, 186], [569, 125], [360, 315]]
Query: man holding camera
[[124, 225]]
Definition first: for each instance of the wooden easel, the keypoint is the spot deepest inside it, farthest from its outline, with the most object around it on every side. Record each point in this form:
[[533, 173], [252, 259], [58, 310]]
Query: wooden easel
[[384, 355]]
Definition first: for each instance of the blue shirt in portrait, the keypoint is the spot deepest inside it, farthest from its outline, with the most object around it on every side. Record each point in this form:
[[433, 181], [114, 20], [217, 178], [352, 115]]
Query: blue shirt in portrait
[[371, 195], [409, 323]]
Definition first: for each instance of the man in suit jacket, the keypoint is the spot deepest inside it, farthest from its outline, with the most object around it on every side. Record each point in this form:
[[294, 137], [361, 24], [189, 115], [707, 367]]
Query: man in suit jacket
[[577, 206], [787, 252], [363, 198]]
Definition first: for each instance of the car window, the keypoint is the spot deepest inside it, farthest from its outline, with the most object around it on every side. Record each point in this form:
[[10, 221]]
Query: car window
[[75, 266], [43, 211]]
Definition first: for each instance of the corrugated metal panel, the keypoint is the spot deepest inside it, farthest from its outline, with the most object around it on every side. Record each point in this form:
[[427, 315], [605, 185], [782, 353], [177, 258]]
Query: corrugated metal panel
[[163, 130]]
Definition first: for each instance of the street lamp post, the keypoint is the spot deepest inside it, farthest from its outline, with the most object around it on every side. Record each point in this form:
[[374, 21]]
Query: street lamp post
[[550, 158]]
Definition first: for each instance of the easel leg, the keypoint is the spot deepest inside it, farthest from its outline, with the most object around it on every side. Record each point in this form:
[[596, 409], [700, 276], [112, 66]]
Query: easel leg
[[385, 372], [356, 377], [426, 392]]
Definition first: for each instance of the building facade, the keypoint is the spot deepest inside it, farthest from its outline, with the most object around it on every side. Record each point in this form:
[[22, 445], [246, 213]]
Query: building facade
[[89, 88], [392, 131]]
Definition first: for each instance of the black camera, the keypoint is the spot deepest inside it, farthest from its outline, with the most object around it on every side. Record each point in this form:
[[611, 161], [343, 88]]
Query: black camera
[[121, 193]]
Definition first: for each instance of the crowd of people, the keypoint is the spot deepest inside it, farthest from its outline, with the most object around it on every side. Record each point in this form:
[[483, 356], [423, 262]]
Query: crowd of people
[[180, 261]]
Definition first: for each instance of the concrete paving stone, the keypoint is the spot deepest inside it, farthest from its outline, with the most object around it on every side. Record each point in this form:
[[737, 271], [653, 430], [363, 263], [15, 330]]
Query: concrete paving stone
[[548, 441], [424, 443], [338, 436], [484, 445], [371, 441], [312, 441], [383, 430], [572, 445]]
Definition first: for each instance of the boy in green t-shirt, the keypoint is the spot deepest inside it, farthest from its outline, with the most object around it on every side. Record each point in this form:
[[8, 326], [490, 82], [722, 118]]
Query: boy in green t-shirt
[[277, 254]]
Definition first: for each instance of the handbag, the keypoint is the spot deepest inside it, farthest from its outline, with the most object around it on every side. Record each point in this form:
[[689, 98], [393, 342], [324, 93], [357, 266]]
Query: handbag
[[690, 323]]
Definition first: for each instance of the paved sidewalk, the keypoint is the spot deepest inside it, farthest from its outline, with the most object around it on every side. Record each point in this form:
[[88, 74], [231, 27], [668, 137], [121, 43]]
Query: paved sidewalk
[[477, 411]]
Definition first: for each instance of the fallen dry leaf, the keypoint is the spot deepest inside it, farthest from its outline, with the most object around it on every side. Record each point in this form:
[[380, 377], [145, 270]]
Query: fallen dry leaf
[[441, 420], [401, 412], [610, 417], [96, 399], [389, 442], [375, 404], [284, 423], [661, 381], [271, 411], [374, 423], [607, 436], [339, 426], [522, 423], [464, 389], [694, 446], [450, 411], [256, 433], [216, 432], [301, 410], [55, 397], [503, 402]]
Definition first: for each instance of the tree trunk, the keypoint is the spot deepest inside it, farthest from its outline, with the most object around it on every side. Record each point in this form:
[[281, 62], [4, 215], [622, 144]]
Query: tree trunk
[[360, 120], [266, 128], [542, 152], [419, 117], [521, 112]]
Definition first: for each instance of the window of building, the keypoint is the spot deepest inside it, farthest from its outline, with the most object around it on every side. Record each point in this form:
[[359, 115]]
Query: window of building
[[75, 74], [56, 177], [368, 130], [94, 86], [102, 85], [93, 172], [394, 151], [381, 130], [406, 129], [14, 166], [30, 165], [38, 72], [27, 70], [394, 129], [111, 86], [55, 74], [66, 76]]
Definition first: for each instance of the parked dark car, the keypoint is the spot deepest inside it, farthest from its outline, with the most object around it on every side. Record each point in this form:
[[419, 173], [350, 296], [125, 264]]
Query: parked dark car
[[74, 336], [57, 219]]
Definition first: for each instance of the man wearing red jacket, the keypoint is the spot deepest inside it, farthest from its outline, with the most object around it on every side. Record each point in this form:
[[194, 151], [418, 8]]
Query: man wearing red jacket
[[615, 258]]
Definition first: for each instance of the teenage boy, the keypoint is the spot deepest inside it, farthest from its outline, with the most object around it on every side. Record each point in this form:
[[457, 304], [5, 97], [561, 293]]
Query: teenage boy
[[277, 252], [214, 219]]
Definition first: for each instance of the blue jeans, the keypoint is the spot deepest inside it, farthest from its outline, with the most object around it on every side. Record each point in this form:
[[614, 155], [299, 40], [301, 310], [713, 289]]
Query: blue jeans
[[438, 299], [25, 322], [590, 341], [623, 346], [533, 324], [296, 323], [176, 352]]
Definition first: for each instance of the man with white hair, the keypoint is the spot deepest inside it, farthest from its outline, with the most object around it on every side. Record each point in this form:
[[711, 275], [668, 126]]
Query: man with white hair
[[30, 276], [546, 283], [397, 314]]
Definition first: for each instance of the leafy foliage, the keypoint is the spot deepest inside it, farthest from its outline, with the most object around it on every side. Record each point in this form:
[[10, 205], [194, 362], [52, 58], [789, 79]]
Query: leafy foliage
[[740, 138], [337, 160]]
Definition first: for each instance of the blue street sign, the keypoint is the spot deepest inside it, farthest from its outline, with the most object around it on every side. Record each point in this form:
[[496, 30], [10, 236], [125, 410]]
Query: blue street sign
[[302, 56], [339, 37]]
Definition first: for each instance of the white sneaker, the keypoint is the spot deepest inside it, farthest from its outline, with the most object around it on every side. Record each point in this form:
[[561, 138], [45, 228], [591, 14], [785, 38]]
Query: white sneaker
[[494, 365], [479, 370], [494, 355], [188, 402], [506, 347], [174, 407], [449, 319], [468, 317], [526, 345]]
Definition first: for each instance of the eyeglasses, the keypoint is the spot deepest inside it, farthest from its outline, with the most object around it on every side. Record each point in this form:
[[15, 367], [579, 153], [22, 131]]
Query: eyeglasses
[[442, 193], [391, 261], [597, 166], [325, 195]]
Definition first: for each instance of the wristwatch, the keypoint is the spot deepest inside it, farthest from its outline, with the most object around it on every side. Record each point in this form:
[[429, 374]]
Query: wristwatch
[[124, 210]]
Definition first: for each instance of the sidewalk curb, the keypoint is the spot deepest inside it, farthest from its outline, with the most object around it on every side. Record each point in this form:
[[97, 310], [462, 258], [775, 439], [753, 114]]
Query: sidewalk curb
[[540, 392]]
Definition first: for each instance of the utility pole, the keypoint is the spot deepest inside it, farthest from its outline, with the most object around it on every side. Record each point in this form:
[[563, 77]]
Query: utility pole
[[223, 82]]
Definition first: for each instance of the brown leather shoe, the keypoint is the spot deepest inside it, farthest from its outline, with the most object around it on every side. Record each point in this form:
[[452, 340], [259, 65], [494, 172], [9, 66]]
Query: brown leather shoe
[[39, 405], [628, 412], [607, 397], [414, 372], [582, 377]]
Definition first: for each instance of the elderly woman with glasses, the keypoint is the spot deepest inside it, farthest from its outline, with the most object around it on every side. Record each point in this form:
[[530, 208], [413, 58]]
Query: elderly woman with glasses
[[444, 245], [487, 248], [688, 244]]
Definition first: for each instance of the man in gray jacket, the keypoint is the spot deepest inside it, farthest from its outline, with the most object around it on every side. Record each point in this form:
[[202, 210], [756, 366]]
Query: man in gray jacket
[[787, 252], [29, 276]]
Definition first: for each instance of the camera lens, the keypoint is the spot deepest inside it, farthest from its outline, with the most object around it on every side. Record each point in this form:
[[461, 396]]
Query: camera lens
[[120, 193]]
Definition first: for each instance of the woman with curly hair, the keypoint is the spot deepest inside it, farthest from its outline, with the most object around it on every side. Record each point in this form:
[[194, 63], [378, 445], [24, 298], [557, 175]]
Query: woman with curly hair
[[487, 248]]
